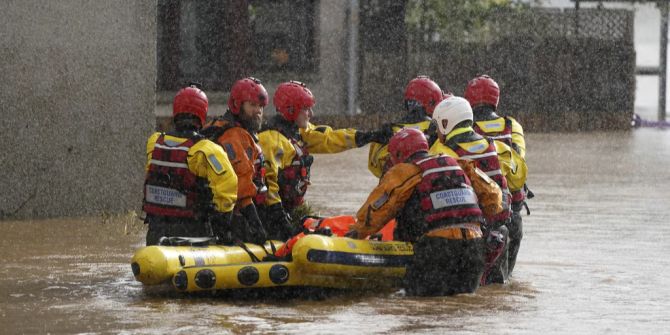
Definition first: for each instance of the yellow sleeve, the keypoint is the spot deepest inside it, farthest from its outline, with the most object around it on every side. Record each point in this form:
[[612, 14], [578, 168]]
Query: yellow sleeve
[[377, 157], [326, 140], [512, 165], [387, 199], [439, 148], [517, 137], [278, 152], [151, 142], [208, 160]]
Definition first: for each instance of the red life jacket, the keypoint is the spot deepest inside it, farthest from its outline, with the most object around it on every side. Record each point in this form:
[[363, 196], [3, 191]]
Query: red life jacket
[[488, 162], [293, 179], [259, 178], [504, 136], [444, 197], [170, 188]]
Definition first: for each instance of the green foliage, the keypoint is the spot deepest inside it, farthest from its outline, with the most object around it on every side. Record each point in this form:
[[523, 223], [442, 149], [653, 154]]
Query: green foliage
[[455, 20]]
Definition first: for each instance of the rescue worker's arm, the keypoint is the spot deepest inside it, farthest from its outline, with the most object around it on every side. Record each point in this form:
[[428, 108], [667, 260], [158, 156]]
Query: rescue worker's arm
[[207, 160], [377, 158], [326, 140], [518, 140], [238, 145], [151, 142], [487, 190], [387, 199], [512, 166], [278, 153]]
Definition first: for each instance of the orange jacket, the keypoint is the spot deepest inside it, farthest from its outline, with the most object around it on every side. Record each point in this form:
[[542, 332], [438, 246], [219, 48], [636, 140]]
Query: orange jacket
[[242, 152]]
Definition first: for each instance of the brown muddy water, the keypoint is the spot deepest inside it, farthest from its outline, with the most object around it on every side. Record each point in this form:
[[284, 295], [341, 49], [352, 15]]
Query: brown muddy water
[[594, 259]]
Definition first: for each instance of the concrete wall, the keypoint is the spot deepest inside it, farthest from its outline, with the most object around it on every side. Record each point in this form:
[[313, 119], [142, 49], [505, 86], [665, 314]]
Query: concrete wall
[[77, 97]]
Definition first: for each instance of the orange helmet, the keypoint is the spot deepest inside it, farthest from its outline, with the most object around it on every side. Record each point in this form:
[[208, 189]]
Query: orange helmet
[[292, 97], [191, 100]]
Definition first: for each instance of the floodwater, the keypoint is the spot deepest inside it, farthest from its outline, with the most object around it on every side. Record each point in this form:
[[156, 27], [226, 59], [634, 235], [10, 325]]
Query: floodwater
[[594, 259]]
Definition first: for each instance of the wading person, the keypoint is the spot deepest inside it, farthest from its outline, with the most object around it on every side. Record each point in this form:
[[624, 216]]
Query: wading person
[[190, 186], [456, 138], [483, 94], [236, 132], [437, 208], [421, 96], [287, 141]]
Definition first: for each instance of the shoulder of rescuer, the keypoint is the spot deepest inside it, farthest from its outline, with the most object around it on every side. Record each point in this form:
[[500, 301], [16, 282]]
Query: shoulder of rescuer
[[487, 190], [387, 199]]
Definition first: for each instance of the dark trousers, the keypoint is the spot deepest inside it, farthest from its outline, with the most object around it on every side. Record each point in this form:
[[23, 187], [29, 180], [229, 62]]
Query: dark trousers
[[515, 235], [175, 227], [445, 267]]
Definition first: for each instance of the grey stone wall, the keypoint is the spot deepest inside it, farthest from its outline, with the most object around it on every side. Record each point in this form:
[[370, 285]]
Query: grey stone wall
[[77, 97]]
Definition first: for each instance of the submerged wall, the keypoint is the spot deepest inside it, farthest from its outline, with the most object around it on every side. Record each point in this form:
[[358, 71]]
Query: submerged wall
[[77, 97]]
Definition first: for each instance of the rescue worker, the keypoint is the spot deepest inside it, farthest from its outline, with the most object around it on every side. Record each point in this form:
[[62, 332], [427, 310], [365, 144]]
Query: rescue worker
[[236, 132], [456, 138], [421, 96], [190, 187], [287, 142], [437, 208], [483, 94]]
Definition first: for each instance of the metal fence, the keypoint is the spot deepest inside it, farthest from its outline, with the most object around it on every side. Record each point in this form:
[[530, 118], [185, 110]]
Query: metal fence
[[558, 70]]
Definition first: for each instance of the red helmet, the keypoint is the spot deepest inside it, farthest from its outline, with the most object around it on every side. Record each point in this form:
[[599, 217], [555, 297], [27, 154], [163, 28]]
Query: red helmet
[[191, 100], [425, 92], [247, 89], [406, 143], [292, 97], [482, 90]]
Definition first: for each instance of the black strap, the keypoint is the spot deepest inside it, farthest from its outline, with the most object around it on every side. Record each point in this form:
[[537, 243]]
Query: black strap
[[251, 254]]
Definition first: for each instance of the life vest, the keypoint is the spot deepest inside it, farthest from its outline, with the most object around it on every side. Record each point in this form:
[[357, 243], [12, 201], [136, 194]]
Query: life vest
[[259, 178], [216, 129], [487, 161], [444, 197], [294, 179], [170, 188], [500, 129]]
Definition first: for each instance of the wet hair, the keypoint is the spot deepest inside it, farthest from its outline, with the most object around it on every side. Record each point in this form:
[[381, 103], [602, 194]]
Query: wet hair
[[185, 121]]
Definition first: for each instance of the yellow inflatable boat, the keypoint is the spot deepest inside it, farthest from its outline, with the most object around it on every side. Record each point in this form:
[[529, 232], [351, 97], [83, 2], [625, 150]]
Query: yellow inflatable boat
[[316, 261]]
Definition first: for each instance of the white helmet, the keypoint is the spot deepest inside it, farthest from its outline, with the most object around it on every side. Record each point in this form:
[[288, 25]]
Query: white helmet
[[453, 109]]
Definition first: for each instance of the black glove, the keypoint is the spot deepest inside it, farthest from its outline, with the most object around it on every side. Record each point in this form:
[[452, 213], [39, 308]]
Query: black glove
[[279, 223], [221, 227], [381, 136], [255, 233]]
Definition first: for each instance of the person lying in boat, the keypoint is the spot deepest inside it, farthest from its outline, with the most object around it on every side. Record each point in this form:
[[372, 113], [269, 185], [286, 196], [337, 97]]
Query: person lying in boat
[[190, 185], [483, 94], [287, 141], [457, 139], [236, 132], [437, 208], [422, 94]]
